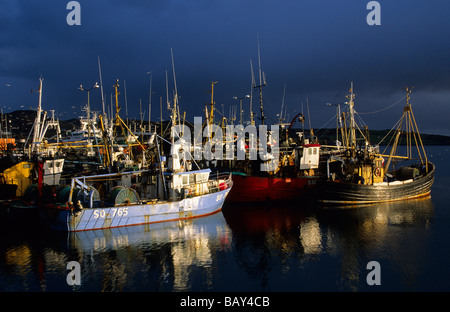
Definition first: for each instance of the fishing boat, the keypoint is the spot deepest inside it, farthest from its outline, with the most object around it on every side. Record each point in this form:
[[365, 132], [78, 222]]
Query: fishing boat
[[138, 197], [19, 179], [292, 175], [363, 175], [124, 207], [295, 176], [30, 178], [86, 137], [96, 146], [296, 172], [288, 172], [165, 190], [24, 176]]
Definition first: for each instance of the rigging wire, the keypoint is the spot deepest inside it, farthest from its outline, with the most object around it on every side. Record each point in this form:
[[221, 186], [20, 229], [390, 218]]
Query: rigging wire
[[383, 109], [333, 118], [394, 127]]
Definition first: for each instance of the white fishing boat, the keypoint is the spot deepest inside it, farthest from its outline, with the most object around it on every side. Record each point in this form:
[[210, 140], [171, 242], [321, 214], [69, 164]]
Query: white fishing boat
[[164, 191], [138, 197]]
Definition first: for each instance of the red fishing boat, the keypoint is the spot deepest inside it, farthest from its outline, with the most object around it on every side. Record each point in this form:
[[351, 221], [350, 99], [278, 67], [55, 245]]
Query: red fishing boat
[[262, 189], [296, 175], [296, 172]]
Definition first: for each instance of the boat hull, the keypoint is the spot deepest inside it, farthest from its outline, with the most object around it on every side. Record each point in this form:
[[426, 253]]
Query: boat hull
[[17, 211], [334, 192], [263, 189], [128, 215], [8, 191]]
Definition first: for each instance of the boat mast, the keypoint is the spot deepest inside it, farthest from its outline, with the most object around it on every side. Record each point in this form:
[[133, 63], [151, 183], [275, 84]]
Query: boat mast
[[262, 83], [101, 85], [352, 131], [116, 94], [252, 121], [37, 123], [393, 151], [281, 119], [120, 123], [175, 98], [211, 111], [413, 129], [107, 161], [150, 103]]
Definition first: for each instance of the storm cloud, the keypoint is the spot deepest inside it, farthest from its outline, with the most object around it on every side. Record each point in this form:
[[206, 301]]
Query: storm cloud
[[315, 48]]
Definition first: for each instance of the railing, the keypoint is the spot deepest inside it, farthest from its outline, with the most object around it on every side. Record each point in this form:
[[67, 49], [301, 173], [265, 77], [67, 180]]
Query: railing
[[223, 179], [217, 182]]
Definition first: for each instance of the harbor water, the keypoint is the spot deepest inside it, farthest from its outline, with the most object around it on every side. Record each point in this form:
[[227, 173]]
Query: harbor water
[[278, 247]]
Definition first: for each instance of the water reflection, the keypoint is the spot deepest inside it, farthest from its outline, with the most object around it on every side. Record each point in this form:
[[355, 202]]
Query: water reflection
[[172, 256], [286, 247], [270, 243], [295, 237], [396, 233], [168, 254]]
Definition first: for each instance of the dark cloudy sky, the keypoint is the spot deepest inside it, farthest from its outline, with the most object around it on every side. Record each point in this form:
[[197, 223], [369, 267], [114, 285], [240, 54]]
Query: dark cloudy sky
[[315, 48]]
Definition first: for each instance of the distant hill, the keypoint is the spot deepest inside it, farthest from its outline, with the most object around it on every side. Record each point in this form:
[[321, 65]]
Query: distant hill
[[375, 136], [427, 139], [21, 121]]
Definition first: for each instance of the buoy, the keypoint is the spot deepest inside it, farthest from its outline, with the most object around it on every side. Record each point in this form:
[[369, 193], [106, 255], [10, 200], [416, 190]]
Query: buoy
[[377, 172]]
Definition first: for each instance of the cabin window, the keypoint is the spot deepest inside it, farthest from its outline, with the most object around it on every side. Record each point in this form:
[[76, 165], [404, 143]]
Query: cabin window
[[191, 179], [315, 151], [26, 166], [185, 180], [309, 151], [201, 177]]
